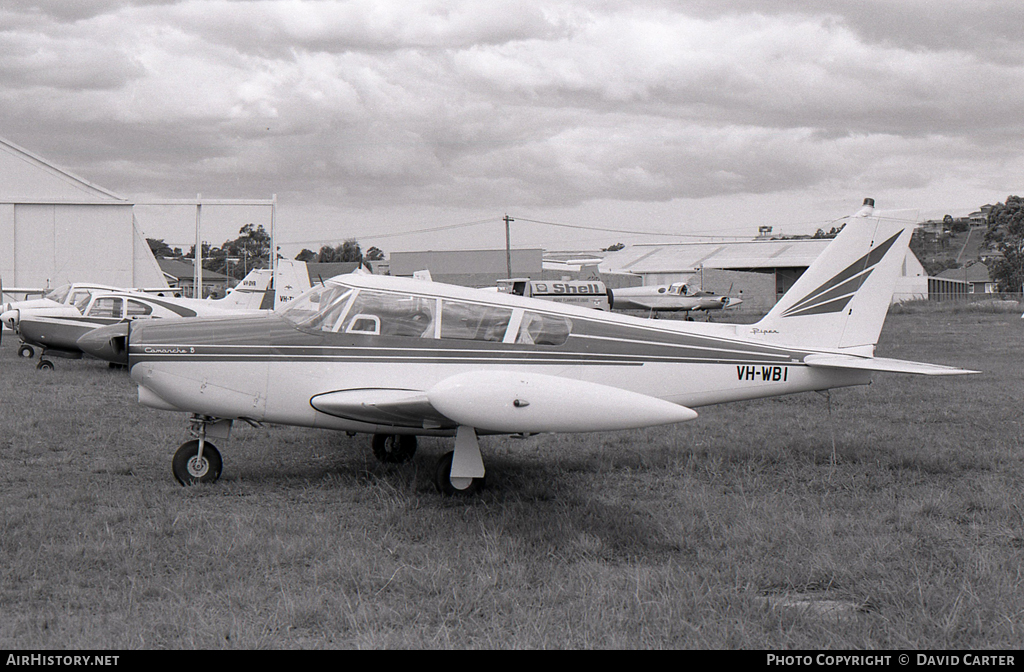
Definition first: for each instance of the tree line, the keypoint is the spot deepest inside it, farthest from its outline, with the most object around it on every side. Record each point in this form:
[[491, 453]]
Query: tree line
[[251, 249]]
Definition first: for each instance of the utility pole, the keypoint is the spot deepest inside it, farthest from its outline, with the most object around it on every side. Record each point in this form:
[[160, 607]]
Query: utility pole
[[197, 258], [508, 246]]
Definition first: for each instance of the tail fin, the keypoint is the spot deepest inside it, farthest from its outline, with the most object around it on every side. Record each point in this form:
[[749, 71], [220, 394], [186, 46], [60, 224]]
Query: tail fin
[[248, 294], [291, 281], [841, 300]]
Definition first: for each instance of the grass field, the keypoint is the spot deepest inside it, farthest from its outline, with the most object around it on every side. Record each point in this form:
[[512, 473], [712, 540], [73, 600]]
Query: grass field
[[742, 529]]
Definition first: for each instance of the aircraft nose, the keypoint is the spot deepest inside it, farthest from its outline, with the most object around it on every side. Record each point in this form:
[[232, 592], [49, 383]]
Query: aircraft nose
[[10, 318], [109, 343]]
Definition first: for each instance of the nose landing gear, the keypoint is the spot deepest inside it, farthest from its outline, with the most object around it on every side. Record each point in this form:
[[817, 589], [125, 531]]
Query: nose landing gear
[[198, 460]]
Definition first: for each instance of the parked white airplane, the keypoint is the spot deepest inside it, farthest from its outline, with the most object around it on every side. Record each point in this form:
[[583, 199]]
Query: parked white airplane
[[675, 297], [398, 357], [54, 323], [54, 301]]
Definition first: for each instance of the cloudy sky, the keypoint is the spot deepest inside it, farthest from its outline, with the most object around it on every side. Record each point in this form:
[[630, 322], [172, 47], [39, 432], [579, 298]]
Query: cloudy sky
[[614, 120]]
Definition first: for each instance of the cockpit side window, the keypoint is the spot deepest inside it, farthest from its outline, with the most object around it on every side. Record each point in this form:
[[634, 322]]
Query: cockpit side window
[[105, 306], [389, 314], [473, 321], [543, 329], [139, 309]]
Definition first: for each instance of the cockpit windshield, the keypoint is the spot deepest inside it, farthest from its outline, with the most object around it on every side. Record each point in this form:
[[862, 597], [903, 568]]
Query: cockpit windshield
[[57, 294], [316, 306]]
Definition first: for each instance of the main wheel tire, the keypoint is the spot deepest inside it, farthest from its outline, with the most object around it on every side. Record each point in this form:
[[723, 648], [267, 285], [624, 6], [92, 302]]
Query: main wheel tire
[[443, 481], [26, 351], [190, 469], [45, 365], [393, 448]]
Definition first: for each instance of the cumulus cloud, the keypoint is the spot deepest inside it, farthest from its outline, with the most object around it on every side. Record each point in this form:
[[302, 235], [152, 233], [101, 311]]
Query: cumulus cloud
[[459, 103]]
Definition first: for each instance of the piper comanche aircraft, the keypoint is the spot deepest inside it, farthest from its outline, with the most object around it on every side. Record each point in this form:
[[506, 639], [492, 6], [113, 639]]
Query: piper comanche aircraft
[[401, 357], [51, 301], [55, 325]]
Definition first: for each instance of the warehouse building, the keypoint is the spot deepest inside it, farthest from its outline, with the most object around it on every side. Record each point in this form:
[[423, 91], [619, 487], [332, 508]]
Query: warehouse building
[[470, 268], [57, 228], [740, 268]]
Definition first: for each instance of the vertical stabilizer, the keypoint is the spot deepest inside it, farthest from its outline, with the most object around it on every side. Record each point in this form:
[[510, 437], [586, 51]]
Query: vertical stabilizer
[[248, 294], [841, 300], [291, 282]]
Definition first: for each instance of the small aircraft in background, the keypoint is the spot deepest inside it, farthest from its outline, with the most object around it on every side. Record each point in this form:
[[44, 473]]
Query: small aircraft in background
[[400, 357], [54, 323], [678, 296], [52, 301]]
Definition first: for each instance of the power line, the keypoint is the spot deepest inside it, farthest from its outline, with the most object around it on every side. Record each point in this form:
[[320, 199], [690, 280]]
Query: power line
[[579, 227], [372, 236], [632, 232]]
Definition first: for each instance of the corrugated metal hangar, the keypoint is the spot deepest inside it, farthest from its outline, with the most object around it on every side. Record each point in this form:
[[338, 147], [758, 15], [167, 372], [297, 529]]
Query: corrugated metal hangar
[[739, 264], [56, 228], [759, 271]]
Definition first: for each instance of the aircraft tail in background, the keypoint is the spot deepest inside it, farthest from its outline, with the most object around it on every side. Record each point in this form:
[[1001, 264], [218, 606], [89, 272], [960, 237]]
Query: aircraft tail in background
[[248, 294]]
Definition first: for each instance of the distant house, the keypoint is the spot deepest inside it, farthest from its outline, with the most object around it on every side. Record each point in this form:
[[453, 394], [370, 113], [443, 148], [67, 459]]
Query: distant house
[[180, 273], [975, 274]]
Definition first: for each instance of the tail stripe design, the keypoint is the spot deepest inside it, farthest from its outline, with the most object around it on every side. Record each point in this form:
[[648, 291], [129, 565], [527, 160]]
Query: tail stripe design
[[833, 295]]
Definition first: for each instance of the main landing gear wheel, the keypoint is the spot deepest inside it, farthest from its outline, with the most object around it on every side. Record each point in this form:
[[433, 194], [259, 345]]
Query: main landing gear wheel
[[445, 486], [393, 448], [45, 365], [26, 351], [190, 468]]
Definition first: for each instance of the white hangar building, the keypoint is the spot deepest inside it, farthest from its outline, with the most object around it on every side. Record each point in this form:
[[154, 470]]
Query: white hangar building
[[736, 266], [56, 227]]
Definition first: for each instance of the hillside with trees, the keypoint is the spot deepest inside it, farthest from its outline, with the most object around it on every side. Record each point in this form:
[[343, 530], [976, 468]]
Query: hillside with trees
[[1005, 235]]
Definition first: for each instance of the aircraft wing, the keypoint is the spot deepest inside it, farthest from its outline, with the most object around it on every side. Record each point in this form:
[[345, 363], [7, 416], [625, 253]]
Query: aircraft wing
[[639, 302], [882, 364], [506, 402], [667, 303]]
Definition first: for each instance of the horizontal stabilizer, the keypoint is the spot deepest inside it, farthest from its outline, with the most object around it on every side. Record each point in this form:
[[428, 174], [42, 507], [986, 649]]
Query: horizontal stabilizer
[[882, 364]]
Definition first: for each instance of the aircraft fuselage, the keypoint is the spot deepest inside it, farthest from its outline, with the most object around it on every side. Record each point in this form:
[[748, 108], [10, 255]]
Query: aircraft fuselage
[[267, 369]]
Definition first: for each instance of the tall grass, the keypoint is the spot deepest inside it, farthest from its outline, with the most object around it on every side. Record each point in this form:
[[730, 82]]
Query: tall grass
[[733, 531]]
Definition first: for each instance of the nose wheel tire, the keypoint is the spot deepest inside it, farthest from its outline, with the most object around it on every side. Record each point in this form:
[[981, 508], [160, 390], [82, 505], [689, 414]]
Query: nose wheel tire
[[190, 468], [394, 448], [445, 486]]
